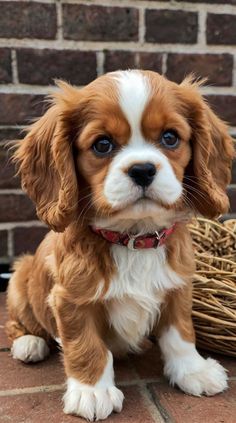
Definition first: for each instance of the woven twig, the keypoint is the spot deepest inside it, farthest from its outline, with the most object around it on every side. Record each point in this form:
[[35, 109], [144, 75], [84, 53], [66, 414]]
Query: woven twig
[[214, 284]]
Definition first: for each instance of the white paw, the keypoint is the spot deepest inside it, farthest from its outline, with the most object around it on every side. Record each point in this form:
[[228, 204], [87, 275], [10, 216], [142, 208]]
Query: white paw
[[209, 379], [91, 402], [29, 348], [186, 368]]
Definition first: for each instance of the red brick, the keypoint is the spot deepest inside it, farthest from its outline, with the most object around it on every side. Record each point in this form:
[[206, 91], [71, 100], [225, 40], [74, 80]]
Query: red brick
[[5, 66], [224, 106], [171, 26], [211, 1], [5, 344], [14, 374], [35, 408], [7, 134], [216, 67], [44, 407], [16, 208], [20, 108], [43, 66], [232, 199], [115, 60], [26, 240], [27, 20], [221, 29], [3, 243], [98, 23], [7, 170], [3, 308], [124, 371], [151, 61], [4, 341], [184, 408], [148, 365]]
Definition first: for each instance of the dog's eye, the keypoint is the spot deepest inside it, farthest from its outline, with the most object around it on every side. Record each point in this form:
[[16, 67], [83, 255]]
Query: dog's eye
[[103, 146], [170, 139]]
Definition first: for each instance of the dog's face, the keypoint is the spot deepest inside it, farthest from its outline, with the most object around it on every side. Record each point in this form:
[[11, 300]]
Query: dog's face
[[135, 143], [133, 151]]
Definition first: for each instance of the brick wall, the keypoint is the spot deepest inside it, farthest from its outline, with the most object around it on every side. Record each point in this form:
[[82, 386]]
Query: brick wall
[[78, 40]]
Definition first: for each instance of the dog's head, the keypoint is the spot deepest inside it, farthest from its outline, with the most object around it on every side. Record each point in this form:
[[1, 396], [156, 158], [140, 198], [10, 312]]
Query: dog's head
[[130, 144]]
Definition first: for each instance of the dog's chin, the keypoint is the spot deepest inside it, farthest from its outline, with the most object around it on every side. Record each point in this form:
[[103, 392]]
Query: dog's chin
[[140, 209], [144, 214]]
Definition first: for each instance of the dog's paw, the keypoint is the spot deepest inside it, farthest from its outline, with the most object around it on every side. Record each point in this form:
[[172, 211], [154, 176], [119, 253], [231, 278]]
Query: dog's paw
[[210, 379], [29, 348], [91, 402], [187, 369]]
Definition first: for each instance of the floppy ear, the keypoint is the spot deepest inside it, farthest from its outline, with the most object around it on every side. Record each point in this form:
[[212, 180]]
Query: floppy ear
[[209, 171], [46, 165]]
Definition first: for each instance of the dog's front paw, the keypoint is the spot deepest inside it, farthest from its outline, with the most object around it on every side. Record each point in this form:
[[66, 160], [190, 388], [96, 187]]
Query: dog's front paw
[[91, 402], [29, 348], [208, 378]]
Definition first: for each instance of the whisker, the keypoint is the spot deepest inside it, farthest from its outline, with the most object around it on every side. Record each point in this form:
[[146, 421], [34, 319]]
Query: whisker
[[189, 203], [88, 206], [194, 189]]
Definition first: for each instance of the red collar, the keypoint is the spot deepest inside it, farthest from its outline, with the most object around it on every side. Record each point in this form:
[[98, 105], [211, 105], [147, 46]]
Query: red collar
[[135, 242]]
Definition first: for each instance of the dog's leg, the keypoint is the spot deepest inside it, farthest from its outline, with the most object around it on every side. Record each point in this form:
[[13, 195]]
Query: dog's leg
[[27, 335], [91, 392], [184, 366]]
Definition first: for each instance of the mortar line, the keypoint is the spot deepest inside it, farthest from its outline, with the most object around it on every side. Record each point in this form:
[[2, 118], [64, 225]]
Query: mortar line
[[164, 413], [202, 16], [28, 224], [234, 71], [15, 78], [14, 191], [164, 63], [142, 26], [12, 127], [100, 62], [150, 404], [141, 4], [32, 390], [22, 89], [56, 387], [115, 45], [157, 5]]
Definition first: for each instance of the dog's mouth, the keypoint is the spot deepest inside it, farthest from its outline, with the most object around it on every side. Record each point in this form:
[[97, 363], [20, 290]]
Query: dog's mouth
[[144, 202], [142, 207]]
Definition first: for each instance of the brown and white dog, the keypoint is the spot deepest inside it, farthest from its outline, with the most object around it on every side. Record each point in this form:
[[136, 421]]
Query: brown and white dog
[[114, 170]]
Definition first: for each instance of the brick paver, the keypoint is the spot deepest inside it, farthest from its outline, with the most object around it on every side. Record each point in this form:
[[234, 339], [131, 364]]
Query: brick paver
[[182, 408], [33, 393]]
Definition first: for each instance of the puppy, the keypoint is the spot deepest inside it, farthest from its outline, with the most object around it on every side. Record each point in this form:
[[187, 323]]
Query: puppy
[[115, 169]]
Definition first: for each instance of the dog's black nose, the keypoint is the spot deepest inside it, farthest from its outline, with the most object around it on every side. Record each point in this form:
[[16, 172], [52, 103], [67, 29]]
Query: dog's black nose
[[142, 173]]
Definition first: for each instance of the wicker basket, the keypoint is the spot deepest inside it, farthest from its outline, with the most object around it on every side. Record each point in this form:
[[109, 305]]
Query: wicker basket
[[214, 294]]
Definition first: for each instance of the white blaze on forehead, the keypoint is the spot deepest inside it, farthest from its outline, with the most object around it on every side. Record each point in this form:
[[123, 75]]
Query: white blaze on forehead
[[134, 92]]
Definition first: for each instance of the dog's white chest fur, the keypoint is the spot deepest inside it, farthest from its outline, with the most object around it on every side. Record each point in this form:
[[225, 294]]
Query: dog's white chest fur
[[137, 291]]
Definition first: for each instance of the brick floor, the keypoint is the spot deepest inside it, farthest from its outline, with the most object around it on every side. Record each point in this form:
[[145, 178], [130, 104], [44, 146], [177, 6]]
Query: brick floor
[[33, 393]]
